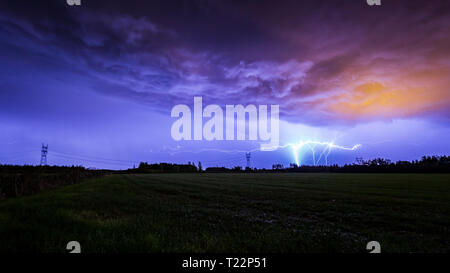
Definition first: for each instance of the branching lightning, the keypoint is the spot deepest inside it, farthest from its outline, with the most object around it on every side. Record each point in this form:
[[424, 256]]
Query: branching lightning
[[322, 149]]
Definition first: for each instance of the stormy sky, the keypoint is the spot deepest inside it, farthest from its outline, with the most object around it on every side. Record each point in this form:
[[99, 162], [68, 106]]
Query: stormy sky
[[97, 82]]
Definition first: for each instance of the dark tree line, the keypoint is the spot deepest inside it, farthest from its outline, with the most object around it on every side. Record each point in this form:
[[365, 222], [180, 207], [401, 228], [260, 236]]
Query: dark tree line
[[425, 164], [25, 180], [144, 167]]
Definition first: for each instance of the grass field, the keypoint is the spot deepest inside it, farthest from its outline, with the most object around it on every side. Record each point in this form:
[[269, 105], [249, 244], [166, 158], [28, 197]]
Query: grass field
[[283, 212]]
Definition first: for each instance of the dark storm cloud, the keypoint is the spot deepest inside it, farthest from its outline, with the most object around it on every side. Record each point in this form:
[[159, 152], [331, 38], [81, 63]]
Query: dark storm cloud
[[314, 58]]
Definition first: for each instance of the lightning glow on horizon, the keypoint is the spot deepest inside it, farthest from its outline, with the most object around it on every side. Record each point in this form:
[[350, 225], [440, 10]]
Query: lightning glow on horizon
[[325, 149]]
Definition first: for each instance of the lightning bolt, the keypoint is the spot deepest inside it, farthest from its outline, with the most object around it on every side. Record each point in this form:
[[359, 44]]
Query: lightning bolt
[[324, 148]]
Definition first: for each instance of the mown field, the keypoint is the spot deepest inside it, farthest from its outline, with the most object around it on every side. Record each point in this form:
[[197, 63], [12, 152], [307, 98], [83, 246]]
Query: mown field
[[242, 213]]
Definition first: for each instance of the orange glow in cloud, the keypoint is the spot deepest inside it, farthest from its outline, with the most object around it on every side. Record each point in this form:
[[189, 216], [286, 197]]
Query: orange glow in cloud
[[373, 99]]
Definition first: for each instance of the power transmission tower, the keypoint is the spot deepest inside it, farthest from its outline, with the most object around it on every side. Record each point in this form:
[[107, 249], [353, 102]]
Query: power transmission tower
[[247, 156], [44, 151]]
